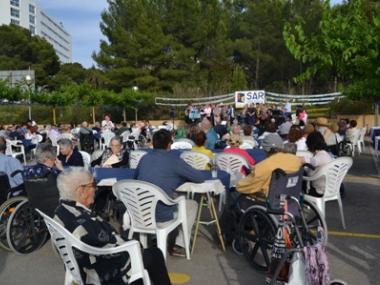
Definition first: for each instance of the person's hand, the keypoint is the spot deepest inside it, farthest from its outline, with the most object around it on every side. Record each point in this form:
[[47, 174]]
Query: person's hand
[[58, 164], [107, 166]]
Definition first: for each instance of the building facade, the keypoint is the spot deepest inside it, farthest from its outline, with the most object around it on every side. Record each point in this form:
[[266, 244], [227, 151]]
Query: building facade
[[27, 14]]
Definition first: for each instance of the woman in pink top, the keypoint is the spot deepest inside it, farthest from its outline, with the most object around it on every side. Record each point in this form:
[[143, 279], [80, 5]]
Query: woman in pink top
[[234, 143]]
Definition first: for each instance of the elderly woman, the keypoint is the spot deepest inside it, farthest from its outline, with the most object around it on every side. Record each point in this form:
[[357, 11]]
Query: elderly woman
[[115, 156], [317, 145], [69, 156], [77, 190], [46, 163]]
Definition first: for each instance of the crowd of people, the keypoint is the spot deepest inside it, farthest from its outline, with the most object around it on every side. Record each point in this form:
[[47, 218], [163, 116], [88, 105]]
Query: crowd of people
[[276, 130]]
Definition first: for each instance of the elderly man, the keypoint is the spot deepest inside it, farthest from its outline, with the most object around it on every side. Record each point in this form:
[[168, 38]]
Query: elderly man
[[68, 155], [77, 190], [211, 135], [166, 170], [10, 166]]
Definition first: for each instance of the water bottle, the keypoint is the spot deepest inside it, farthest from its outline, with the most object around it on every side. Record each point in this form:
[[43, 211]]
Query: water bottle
[[214, 169]]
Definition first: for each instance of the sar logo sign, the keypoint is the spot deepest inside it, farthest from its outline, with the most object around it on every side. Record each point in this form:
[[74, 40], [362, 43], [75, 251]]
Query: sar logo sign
[[243, 98]]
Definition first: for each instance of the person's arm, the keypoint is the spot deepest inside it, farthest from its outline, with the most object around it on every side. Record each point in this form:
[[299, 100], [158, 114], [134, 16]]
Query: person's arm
[[124, 162], [186, 171], [97, 161]]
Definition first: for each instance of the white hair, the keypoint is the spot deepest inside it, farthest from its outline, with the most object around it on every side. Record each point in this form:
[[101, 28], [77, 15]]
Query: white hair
[[70, 180]]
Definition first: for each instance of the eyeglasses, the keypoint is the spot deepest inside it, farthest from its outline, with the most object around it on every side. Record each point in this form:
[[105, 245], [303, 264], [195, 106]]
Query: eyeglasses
[[92, 184]]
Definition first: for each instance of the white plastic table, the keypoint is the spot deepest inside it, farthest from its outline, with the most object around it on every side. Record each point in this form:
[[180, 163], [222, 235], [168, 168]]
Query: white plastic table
[[204, 190]]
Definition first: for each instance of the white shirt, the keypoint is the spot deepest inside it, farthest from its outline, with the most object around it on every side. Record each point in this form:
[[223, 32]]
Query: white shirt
[[301, 144], [288, 107], [319, 159]]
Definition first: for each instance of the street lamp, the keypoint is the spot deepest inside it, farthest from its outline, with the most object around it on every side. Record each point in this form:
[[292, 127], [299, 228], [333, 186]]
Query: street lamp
[[135, 89], [29, 81]]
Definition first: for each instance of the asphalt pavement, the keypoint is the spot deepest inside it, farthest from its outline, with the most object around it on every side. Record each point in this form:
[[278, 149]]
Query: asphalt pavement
[[354, 253]]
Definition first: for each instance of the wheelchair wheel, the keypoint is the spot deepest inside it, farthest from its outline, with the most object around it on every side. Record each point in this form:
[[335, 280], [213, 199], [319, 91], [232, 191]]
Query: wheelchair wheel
[[256, 233], [26, 230], [6, 209], [314, 219]]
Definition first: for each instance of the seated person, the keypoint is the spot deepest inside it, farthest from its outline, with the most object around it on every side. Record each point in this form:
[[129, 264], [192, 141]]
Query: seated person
[[84, 129], [316, 144], [47, 162], [285, 127], [296, 136], [168, 171], [115, 156], [247, 134], [352, 132], [10, 166], [271, 138], [69, 156], [211, 135], [77, 190], [200, 142], [258, 181], [234, 144]]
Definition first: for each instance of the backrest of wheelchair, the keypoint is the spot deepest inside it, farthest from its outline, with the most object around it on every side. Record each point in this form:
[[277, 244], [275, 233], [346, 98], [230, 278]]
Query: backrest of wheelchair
[[43, 193], [288, 184], [4, 187], [87, 142]]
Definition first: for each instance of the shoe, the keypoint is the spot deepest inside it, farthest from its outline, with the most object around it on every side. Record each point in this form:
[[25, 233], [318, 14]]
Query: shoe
[[177, 251]]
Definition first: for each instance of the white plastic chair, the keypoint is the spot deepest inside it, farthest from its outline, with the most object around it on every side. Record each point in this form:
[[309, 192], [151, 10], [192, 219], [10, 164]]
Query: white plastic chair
[[186, 140], [360, 143], [141, 198], [86, 158], [246, 144], [232, 164], [11, 145], [355, 144], [333, 173], [134, 158], [105, 139], [64, 242], [125, 135], [181, 145], [96, 154], [195, 159]]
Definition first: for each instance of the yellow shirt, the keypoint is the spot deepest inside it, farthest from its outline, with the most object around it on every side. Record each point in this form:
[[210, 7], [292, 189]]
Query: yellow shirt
[[204, 150], [260, 177]]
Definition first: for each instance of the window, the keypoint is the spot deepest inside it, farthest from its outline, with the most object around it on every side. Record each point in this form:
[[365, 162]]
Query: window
[[15, 13], [15, 3], [32, 29], [32, 9], [32, 19], [15, 22]]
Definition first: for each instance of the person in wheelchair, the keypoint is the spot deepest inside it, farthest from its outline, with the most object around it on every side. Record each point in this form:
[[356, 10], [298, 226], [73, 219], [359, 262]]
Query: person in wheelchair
[[13, 169], [47, 163], [258, 181], [77, 190], [115, 156]]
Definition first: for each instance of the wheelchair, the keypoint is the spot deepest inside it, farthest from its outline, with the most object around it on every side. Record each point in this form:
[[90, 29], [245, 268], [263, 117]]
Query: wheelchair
[[257, 221], [25, 228], [8, 203]]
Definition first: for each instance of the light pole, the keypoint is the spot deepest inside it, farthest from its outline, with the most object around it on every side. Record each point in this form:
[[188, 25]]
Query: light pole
[[29, 82], [135, 89]]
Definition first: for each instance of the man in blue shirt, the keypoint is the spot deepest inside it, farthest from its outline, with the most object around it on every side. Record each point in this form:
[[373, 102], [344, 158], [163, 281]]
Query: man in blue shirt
[[69, 156], [168, 171], [10, 165]]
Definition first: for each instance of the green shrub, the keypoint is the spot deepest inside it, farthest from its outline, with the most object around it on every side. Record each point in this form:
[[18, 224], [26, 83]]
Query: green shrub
[[351, 107]]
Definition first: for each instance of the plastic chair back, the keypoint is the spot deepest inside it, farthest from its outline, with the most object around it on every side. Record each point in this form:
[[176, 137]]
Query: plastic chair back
[[181, 145], [64, 242], [106, 136], [231, 163], [247, 144], [334, 173], [140, 199], [185, 140], [134, 158], [43, 193], [86, 158], [195, 159], [363, 131]]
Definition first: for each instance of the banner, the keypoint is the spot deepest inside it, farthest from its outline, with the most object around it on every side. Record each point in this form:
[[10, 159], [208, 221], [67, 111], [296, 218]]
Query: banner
[[243, 98]]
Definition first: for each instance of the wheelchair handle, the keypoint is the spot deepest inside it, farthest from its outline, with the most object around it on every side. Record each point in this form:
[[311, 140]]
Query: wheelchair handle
[[276, 211], [308, 165]]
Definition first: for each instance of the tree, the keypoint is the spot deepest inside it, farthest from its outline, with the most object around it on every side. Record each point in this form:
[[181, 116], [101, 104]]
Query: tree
[[347, 47], [20, 50]]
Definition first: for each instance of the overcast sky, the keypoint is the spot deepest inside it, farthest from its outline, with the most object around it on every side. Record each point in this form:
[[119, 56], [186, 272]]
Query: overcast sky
[[81, 19]]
